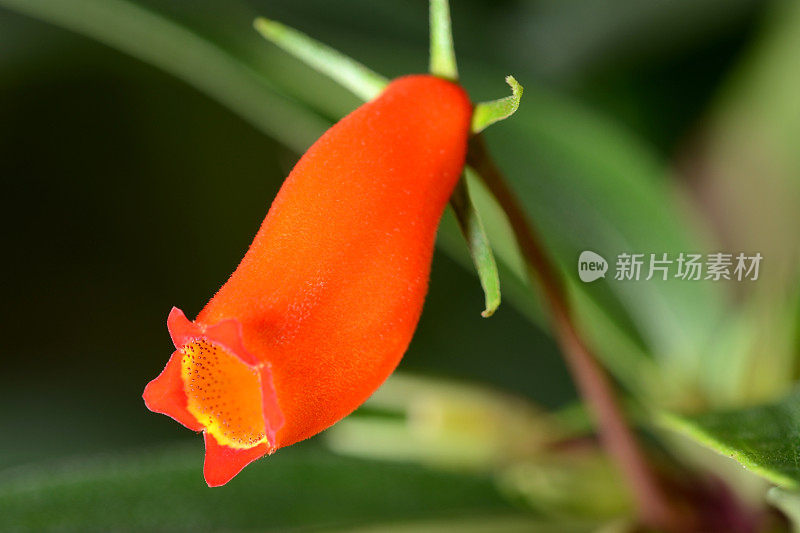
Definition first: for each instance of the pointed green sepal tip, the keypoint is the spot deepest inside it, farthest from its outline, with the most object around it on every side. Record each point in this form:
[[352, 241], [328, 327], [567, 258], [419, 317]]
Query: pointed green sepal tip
[[349, 73], [480, 249], [487, 113]]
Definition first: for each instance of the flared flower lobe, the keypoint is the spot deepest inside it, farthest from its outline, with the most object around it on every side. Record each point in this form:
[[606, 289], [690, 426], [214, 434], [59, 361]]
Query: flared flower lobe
[[211, 383]]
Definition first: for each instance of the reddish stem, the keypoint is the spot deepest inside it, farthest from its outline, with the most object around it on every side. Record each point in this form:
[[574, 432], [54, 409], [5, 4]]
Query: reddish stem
[[655, 507]]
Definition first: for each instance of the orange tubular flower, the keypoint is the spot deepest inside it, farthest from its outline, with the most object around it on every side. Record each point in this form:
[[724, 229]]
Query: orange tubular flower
[[326, 300]]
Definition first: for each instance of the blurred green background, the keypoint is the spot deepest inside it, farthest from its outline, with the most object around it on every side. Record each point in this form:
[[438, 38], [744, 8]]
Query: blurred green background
[[646, 126]]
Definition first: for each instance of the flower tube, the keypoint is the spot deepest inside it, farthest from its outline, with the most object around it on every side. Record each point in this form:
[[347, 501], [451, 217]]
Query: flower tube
[[324, 303]]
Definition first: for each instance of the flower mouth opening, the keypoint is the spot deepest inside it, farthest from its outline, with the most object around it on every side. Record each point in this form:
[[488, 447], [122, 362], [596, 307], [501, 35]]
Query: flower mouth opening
[[224, 394]]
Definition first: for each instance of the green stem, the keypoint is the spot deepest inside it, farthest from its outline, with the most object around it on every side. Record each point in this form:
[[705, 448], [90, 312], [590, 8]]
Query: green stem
[[442, 52]]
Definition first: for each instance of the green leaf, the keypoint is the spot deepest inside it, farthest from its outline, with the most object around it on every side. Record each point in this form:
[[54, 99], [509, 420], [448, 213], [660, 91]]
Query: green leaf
[[442, 51], [493, 524], [746, 157], [611, 31], [487, 113], [763, 439], [478, 243], [164, 491], [351, 74], [589, 185]]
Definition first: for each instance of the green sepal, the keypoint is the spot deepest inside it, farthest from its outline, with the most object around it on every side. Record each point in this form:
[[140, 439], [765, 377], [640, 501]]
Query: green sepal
[[478, 243], [487, 113], [359, 79]]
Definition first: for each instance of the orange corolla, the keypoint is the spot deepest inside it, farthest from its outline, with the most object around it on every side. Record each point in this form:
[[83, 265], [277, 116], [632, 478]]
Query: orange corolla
[[326, 300]]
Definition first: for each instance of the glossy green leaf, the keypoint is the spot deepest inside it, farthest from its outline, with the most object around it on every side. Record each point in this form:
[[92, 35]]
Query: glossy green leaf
[[487, 113], [351, 74], [164, 491], [442, 51], [478, 243], [763, 439]]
